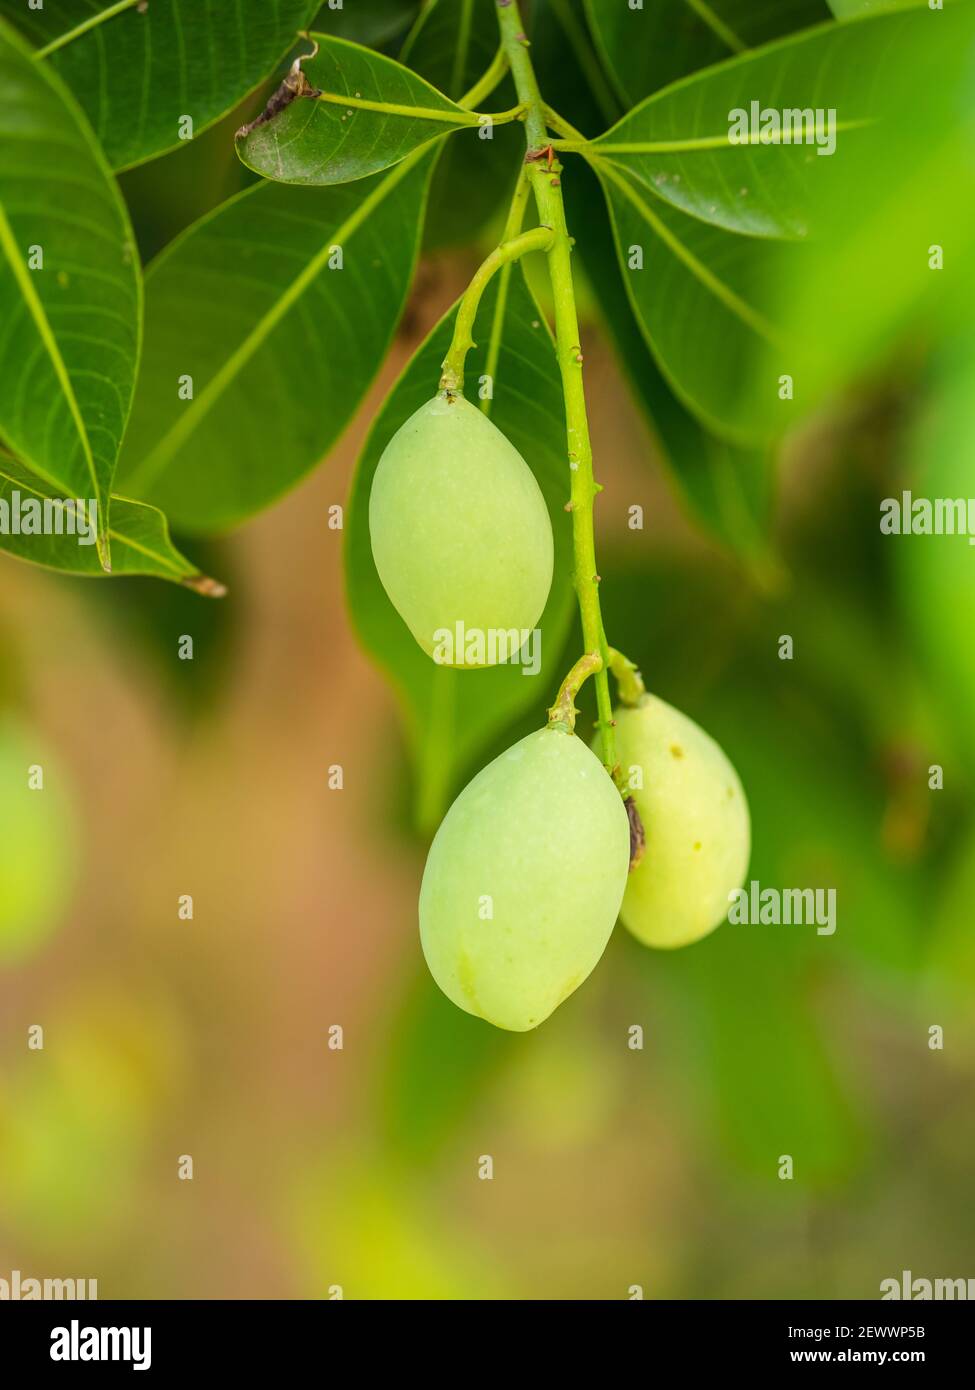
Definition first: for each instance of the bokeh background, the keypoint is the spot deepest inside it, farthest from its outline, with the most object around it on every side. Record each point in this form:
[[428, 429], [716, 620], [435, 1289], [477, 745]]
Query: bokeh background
[[316, 1167]]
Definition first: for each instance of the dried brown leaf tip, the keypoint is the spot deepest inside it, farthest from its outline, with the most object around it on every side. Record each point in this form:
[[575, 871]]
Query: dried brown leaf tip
[[638, 836], [209, 588], [295, 85]]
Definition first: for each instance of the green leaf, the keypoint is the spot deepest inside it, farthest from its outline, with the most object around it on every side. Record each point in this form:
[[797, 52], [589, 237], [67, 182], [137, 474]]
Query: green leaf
[[279, 307], [349, 113], [69, 329], [727, 489], [852, 9], [568, 67], [437, 1066], [139, 535], [451, 45], [730, 316], [139, 71], [451, 714], [645, 49], [867, 284], [935, 574], [677, 143], [702, 298], [373, 22], [771, 1084]]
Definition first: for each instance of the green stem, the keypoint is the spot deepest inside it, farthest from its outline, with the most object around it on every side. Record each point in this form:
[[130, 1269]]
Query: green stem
[[629, 682], [512, 226], [551, 212], [563, 713], [538, 239], [486, 84]]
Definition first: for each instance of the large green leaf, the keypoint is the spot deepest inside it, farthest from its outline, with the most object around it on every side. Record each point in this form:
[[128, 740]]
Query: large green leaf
[[730, 317], [353, 113], [436, 1065], [727, 489], [69, 327], [373, 22], [279, 338], [677, 142], [139, 70], [702, 298], [451, 45], [868, 281], [451, 714], [644, 49], [769, 1080], [853, 9], [139, 535], [935, 574]]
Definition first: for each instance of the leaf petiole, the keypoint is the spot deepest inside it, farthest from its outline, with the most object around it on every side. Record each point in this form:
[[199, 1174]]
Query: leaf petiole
[[487, 82]]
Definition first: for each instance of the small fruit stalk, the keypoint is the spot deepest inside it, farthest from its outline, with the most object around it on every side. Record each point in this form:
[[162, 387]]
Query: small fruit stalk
[[547, 845]]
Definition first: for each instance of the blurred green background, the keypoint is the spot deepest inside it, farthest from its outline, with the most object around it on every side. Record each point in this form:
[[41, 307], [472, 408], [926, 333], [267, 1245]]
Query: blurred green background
[[317, 1167]]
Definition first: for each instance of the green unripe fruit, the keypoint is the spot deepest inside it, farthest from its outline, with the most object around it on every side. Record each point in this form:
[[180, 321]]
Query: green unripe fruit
[[36, 846], [460, 534], [695, 818], [524, 880]]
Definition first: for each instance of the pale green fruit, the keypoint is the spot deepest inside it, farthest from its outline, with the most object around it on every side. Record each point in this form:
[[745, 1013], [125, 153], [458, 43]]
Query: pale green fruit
[[524, 881], [696, 821], [37, 844], [460, 534]]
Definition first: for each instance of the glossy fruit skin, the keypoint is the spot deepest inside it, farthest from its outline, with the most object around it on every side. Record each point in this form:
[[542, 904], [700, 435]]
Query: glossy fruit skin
[[460, 530], [695, 816], [542, 835], [37, 845]]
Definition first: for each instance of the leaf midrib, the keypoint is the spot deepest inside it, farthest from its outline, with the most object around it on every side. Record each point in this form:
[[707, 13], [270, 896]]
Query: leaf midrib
[[84, 27], [711, 142]]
